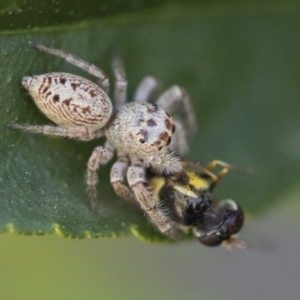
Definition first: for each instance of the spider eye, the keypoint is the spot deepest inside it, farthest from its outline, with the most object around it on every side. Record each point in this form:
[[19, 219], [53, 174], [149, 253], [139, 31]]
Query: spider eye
[[155, 107], [169, 141], [142, 141]]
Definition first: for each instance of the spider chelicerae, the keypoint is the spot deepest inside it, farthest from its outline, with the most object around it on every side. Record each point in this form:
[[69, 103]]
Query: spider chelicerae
[[142, 134]]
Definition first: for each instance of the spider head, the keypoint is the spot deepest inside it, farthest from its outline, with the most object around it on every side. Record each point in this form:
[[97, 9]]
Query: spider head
[[152, 128], [147, 128]]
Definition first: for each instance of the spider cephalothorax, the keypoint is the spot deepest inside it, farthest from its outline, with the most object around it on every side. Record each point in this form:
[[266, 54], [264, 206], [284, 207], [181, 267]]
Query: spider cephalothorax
[[145, 130], [142, 134]]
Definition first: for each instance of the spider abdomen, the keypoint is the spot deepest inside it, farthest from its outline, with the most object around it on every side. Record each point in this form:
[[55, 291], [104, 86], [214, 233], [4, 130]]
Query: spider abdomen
[[69, 100]]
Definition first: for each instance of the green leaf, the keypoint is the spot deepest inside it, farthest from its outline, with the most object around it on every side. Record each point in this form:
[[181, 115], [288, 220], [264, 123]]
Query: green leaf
[[239, 63], [31, 15]]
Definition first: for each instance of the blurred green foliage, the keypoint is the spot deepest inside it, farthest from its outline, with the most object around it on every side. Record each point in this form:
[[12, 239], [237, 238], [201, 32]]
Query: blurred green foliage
[[29, 15]]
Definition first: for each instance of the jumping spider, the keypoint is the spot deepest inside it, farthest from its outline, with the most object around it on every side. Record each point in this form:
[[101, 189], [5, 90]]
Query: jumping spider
[[187, 198], [139, 132]]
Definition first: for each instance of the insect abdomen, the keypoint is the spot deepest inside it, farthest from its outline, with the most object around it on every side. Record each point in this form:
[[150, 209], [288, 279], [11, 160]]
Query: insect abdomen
[[69, 100]]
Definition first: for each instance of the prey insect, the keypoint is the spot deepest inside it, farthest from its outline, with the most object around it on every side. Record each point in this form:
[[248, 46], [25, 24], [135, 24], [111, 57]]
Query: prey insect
[[187, 198], [142, 134]]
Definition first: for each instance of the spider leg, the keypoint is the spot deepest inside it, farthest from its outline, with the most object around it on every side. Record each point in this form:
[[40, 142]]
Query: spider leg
[[72, 59], [147, 199], [100, 155], [177, 95], [145, 89], [179, 143], [80, 133], [120, 81], [117, 174]]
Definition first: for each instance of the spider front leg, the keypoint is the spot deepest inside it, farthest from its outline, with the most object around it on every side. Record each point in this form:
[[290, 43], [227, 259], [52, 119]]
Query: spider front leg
[[80, 133], [100, 155], [177, 95], [117, 174], [120, 81], [179, 143], [145, 89], [147, 200]]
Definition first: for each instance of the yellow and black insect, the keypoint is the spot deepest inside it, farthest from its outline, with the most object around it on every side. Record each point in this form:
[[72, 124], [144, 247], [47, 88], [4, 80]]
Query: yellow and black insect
[[188, 199]]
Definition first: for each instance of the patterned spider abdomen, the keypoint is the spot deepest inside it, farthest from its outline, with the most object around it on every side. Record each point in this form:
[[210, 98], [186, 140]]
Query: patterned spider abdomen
[[69, 100]]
